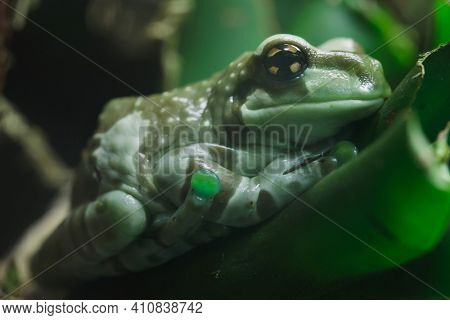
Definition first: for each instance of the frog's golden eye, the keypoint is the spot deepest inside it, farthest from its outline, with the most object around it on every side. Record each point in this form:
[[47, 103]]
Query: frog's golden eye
[[285, 62]]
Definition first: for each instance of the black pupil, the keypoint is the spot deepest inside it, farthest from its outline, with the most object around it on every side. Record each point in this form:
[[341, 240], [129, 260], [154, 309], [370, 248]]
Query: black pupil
[[285, 62]]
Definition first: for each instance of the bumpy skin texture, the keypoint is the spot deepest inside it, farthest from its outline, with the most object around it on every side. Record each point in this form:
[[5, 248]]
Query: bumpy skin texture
[[128, 191]]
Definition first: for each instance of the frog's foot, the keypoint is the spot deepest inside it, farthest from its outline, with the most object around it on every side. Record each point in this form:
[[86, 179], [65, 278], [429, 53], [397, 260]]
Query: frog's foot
[[342, 152], [110, 223], [205, 184], [283, 180], [305, 161], [174, 235], [93, 233], [300, 174], [322, 163]]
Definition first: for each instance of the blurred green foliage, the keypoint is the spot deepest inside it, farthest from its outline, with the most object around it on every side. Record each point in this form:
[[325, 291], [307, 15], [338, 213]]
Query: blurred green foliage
[[364, 21], [442, 22], [219, 31]]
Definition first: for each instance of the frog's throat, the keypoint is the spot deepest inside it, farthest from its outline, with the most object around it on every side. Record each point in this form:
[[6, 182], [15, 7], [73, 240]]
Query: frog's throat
[[324, 118]]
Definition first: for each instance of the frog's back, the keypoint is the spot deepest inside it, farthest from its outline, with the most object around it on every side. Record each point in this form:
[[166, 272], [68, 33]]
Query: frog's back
[[184, 106], [120, 124], [115, 110]]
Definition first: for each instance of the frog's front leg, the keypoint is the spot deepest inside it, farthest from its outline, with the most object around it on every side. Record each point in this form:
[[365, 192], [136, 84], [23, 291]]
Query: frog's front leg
[[205, 184], [257, 198], [93, 233], [243, 200]]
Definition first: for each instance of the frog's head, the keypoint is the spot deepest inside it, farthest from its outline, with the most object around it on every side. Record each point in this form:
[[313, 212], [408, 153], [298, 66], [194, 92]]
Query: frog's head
[[287, 81]]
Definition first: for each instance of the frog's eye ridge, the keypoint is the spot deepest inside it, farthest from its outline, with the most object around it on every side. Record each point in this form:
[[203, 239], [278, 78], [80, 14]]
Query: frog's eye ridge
[[284, 62]]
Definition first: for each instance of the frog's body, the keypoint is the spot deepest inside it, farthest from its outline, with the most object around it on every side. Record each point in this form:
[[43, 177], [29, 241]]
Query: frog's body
[[124, 183]]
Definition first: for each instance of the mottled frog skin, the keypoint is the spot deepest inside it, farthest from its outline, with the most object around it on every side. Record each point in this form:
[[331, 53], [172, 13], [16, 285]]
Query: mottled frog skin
[[133, 207]]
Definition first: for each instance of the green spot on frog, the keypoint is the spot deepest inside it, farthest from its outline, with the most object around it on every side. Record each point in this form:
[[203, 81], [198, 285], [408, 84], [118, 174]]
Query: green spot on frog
[[206, 184]]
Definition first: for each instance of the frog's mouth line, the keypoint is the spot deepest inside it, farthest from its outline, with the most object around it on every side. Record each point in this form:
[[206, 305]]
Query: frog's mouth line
[[319, 120], [313, 112]]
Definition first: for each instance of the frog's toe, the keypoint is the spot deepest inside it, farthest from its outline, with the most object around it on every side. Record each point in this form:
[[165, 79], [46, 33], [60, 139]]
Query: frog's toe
[[344, 152], [113, 221], [296, 180]]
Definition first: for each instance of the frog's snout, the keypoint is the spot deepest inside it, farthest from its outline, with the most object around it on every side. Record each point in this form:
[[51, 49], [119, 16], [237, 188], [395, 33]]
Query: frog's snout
[[370, 73], [379, 79]]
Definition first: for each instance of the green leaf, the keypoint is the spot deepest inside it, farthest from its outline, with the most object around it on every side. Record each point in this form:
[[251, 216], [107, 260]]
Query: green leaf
[[433, 100], [373, 26]]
